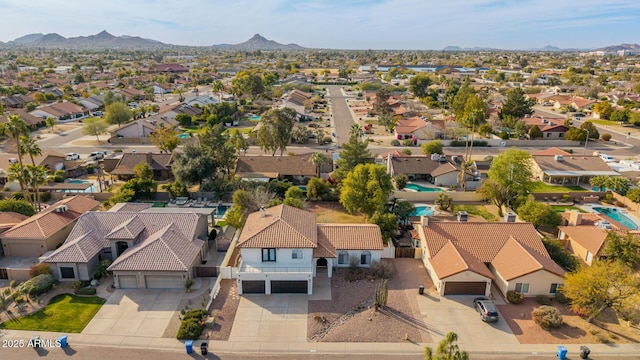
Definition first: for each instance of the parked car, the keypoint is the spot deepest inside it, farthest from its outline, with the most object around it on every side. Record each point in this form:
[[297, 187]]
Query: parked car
[[133, 104], [73, 156], [98, 113], [486, 308], [607, 158], [578, 115], [96, 155], [547, 104]]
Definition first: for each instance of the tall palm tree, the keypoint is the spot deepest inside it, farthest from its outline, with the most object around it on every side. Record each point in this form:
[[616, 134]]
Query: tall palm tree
[[19, 174], [37, 175], [218, 86], [15, 127], [356, 130], [28, 146], [317, 159]]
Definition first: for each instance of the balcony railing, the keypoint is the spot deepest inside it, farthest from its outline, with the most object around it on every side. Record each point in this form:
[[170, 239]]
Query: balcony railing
[[244, 268]]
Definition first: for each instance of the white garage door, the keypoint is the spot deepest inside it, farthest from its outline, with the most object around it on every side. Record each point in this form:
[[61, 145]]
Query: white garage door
[[25, 250], [164, 281], [128, 281]]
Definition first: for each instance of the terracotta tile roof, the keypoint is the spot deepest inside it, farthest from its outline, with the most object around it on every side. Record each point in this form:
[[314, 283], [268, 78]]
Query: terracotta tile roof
[[175, 251], [482, 240], [9, 217], [296, 165], [586, 218], [451, 260], [352, 236], [410, 125], [550, 151], [394, 153], [89, 236], [24, 115], [515, 260], [445, 169], [588, 236], [48, 222], [281, 226], [324, 248]]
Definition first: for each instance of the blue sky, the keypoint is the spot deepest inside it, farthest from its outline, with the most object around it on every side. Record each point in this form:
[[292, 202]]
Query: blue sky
[[340, 24]]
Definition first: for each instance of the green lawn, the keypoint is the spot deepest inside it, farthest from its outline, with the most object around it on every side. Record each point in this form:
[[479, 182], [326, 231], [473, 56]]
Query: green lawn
[[477, 210], [65, 313], [563, 208], [604, 122], [540, 187]]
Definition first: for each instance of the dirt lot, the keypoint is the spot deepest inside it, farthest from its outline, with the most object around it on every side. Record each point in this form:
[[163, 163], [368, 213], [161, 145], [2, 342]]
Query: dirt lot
[[332, 212], [401, 320], [224, 307], [605, 328]]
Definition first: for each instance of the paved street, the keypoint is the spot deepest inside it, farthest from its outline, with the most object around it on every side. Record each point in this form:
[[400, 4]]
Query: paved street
[[341, 115]]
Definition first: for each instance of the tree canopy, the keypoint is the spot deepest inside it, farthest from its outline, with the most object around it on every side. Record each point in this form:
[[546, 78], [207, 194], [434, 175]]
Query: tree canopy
[[165, 139], [539, 214], [432, 147], [509, 177], [18, 206], [419, 84], [448, 349], [623, 248], [275, 130], [516, 104], [94, 127], [354, 152], [117, 113], [366, 189], [193, 165]]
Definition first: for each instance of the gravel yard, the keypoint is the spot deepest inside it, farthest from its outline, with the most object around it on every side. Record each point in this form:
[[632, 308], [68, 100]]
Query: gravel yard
[[401, 320], [225, 307]]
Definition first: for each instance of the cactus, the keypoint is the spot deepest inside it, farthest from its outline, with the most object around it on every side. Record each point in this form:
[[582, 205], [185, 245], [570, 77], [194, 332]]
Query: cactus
[[382, 291]]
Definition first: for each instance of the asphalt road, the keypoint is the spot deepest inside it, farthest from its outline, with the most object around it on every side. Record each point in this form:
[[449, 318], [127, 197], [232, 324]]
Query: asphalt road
[[341, 115]]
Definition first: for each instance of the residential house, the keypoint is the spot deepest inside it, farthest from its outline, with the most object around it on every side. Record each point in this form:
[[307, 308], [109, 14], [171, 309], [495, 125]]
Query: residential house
[[16, 101], [295, 168], [170, 68], [32, 121], [162, 89], [126, 162], [45, 230], [9, 219], [174, 110], [435, 169], [139, 130], [61, 111], [573, 169], [418, 128], [150, 249], [584, 234], [51, 161], [552, 129], [203, 100], [466, 258], [282, 249], [133, 94], [93, 102]]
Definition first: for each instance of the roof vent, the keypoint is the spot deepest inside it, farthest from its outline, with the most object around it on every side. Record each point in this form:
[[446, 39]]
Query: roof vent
[[551, 123], [603, 224], [463, 216], [262, 212], [558, 157], [510, 217], [61, 208]]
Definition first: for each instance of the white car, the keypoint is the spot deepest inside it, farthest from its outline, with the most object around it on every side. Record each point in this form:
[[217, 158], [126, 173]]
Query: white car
[[96, 155], [73, 156]]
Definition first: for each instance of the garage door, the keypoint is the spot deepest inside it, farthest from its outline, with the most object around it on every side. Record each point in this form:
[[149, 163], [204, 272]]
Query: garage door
[[253, 287], [288, 287], [164, 281], [128, 281], [24, 250], [465, 288]]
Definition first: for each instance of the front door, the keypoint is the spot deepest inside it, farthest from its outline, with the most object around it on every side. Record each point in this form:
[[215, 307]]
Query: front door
[[121, 246]]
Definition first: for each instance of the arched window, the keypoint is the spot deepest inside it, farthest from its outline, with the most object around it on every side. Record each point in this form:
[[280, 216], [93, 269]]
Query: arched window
[[365, 258], [343, 258], [296, 254]]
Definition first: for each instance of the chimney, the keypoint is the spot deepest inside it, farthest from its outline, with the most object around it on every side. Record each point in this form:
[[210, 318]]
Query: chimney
[[575, 218], [262, 212], [424, 220]]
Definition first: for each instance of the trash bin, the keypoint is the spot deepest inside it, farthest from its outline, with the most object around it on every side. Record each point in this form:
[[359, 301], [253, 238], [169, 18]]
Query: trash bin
[[203, 348], [189, 346], [421, 289], [562, 353], [584, 352], [63, 341]]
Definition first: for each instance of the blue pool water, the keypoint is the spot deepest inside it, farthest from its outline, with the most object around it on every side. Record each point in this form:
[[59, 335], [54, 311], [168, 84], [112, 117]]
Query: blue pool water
[[422, 210], [254, 118], [420, 188], [303, 188], [595, 188], [90, 189], [184, 136], [616, 215], [220, 211]]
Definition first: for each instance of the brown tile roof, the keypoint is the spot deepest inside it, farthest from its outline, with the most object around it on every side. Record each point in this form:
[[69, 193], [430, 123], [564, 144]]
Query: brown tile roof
[[352, 236], [296, 165], [575, 163], [281, 226], [48, 222], [129, 160], [299, 97], [9, 219], [550, 151], [445, 169], [414, 165], [89, 236], [129, 229], [24, 115], [61, 109], [451, 260], [482, 240], [394, 153], [586, 218], [515, 260], [588, 236], [168, 249]]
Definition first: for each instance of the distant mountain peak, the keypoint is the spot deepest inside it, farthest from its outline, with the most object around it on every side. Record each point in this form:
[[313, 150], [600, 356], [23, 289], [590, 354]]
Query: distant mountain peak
[[104, 35], [259, 42], [258, 37]]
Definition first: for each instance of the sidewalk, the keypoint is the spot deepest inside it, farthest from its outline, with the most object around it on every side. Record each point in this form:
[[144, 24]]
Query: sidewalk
[[270, 348]]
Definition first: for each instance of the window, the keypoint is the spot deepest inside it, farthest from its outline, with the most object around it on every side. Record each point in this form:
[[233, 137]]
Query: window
[[548, 134], [343, 258], [522, 287], [67, 273], [554, 288], [365, 258], [561, 135], [296, 254], [268, 254]]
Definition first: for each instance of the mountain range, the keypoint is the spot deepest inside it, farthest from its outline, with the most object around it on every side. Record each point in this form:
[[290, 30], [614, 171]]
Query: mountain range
[[101, 40], [258, 42]]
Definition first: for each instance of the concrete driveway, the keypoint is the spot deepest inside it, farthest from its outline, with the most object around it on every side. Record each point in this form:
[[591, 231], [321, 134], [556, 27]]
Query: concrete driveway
[[456, 313], [135, 313], [276, 318]]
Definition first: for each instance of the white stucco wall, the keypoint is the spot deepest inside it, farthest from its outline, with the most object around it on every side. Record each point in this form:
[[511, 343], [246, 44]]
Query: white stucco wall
[[376, 255], [539, 282], [446, 179], [253, 257]]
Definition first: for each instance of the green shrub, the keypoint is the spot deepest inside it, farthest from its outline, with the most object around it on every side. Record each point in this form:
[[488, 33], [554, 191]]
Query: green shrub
[[13, 284], [19, 299], [543, 299], [37, 285], [85, 291], [190, 330], [408, 142], [562, 298], [90, 169], [606, 137], [395, 142], [547, 317], [566, 198], [39, 269], [117, 150], [45, 196], [17, 196], [197, 314], [514, 297], [458, 143], [58, 178], [7, 291]]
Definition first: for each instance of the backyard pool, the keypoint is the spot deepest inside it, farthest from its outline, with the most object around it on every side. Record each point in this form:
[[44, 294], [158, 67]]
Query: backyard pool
[[420, 188], [422, 210], [219, 211], [303, 188], [616, 215], [254, 118], [90, 189], [184, 136], [597, 189]]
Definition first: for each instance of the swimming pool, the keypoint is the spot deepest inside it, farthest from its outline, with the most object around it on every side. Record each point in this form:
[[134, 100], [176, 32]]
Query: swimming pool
[[597, 189], [616, 215], [303, 188], [184, 136], [420, 188], [90, 189], [254, 118], [422, 210], [220, 211]]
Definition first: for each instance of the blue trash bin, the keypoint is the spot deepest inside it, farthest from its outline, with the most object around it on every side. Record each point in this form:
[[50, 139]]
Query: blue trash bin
[[562, 353], [63, 341], [189, 345]]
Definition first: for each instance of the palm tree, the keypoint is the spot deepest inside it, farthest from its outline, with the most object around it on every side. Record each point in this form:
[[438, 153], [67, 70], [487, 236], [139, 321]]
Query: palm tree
[[356, 130], [28, 146], [447, 349], [17, 173], [37, 175], [218, 86], [462, 175], [599, 181], [317, 159], [15, 127]]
